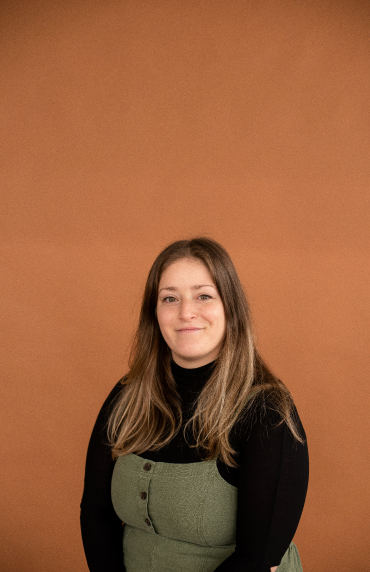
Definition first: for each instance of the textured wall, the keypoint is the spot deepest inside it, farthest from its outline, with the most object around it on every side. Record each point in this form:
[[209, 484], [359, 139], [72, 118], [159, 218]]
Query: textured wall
[[127, 125]]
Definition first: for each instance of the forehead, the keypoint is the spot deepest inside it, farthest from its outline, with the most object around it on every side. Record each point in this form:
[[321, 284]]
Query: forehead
[[185, 270]]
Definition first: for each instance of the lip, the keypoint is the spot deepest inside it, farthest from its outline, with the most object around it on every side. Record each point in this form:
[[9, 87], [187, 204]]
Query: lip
[[190, 329]]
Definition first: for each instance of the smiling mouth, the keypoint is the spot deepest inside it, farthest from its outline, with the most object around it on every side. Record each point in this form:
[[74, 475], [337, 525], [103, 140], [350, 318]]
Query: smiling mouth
[[190, 330]]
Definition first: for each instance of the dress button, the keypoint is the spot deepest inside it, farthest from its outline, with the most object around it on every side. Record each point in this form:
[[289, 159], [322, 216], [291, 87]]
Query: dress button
[[147, 522], [147, 467], [143, 496]]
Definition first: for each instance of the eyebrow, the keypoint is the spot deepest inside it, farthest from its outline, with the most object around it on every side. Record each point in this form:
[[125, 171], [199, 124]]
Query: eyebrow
[[195, 287]]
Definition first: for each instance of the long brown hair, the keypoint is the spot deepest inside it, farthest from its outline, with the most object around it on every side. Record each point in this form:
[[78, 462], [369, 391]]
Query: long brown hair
[[147, 413]]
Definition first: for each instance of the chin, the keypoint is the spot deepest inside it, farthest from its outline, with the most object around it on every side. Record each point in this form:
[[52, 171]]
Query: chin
[[190, 353], [188, 356], [192, 357]]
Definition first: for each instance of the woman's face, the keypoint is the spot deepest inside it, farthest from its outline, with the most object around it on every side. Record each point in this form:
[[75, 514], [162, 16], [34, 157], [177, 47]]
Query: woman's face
[[190, 313]]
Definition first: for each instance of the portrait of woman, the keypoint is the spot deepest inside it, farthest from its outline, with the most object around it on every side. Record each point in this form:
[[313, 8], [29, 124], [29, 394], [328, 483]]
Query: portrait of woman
[[198, 461]]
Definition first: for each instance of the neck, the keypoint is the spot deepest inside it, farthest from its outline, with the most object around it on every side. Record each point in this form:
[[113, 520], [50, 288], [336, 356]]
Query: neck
[[197, 376]]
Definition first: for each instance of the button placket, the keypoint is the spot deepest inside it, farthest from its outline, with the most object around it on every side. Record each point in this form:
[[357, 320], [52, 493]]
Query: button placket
[[145, 477]]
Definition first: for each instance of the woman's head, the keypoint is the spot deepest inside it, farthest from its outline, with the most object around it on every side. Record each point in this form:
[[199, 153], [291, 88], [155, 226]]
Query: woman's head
[[190, 313], [192, 286], [173, 302]]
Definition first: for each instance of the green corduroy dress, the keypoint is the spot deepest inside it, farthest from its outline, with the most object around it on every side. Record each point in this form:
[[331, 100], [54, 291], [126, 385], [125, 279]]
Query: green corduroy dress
[[178, 517]]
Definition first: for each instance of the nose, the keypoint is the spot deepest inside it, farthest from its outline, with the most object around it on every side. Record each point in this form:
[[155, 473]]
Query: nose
[[187, 310]]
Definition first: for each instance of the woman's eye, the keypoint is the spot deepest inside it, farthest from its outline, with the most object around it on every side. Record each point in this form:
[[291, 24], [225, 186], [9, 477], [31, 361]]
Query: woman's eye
[[204, 296], [169, 299]]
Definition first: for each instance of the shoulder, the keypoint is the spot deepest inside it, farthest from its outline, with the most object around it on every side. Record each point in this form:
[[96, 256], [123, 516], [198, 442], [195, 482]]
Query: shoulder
[[267, 415], [109, 403], [261, 408], [114, 394]]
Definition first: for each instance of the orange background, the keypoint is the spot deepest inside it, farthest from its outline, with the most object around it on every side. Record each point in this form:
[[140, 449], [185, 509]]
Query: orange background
[[126, 125]]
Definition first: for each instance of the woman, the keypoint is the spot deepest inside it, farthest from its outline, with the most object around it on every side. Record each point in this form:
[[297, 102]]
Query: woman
[[198, 460]]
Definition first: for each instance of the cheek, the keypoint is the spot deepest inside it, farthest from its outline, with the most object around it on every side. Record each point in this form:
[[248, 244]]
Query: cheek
[[164, 319], [217, 318], [222, 320], [222, 326]]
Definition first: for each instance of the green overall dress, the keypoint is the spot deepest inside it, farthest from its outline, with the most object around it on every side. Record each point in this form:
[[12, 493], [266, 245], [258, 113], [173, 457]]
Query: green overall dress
[[178, 517]]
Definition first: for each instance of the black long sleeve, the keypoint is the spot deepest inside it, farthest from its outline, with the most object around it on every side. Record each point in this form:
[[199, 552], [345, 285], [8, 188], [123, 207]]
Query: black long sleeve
[[101, 528], [272, 488], [272, 483]]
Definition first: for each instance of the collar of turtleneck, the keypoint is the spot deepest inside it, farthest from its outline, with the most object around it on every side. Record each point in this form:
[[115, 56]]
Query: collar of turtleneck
[[190, 383], [194, 378]]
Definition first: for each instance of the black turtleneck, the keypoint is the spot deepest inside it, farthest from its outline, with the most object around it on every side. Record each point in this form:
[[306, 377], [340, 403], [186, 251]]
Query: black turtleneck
[[272, 481]]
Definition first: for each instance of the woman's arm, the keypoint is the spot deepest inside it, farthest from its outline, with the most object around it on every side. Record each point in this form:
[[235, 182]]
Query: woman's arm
[[101, 528], [272, 490]]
